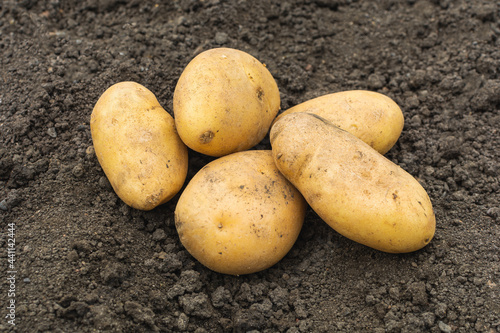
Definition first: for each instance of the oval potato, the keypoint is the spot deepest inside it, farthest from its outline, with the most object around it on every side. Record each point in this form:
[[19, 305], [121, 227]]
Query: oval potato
[[137, 145], [357, 191], [238, 214], [372, 117], [225, 101]]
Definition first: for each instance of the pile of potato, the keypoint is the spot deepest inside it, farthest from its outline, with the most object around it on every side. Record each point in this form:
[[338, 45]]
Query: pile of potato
[[242, 212]]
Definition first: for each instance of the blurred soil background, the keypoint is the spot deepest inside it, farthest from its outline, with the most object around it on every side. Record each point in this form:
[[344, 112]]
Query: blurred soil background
[[86, 262]]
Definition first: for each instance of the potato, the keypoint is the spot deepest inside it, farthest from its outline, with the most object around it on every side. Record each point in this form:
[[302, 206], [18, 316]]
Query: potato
[[238, 214], [374, 118], [224, 102], [137, 145], [357, 191]]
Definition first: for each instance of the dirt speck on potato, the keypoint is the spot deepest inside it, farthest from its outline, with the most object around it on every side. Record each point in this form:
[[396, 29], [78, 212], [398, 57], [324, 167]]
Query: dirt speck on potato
[[206, 137], [260, 94]]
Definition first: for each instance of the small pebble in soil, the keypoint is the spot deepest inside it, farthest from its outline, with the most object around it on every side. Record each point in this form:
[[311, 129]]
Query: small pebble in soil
[[51, 131], [78, 171], [90, 152], [493, 212], [3, 205], [444, 327], [221, 38]]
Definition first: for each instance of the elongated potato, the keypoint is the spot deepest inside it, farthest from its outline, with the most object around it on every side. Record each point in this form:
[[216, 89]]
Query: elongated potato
[[238, 214], [224, 102], [372, 117], [353, 188], [137, 145]]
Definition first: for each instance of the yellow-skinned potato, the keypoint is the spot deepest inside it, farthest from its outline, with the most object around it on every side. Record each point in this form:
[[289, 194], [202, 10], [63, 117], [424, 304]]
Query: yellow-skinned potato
[[225, 101], [238, 214], [137, 145], [356, 190], [373, 117]]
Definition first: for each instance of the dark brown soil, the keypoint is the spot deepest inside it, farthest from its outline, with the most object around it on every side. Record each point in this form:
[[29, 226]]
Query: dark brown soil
[[85, 262]]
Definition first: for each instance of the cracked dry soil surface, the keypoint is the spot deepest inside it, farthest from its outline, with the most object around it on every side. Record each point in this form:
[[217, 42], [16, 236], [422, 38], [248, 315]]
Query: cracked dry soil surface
[[86, 262]]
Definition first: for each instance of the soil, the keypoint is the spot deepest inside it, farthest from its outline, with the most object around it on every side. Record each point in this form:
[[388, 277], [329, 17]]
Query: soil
[[86, 262]]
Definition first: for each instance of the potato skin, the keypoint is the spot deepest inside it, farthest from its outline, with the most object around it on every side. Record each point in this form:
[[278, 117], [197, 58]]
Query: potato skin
[[238, 214], [224, 102], [137, 145], [372, 117], [357, 191]]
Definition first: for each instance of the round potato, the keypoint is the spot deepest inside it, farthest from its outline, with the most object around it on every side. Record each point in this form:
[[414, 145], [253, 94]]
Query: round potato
[[372, 117], [357, 191], [238, 214], [224, 102], [137, 145]]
